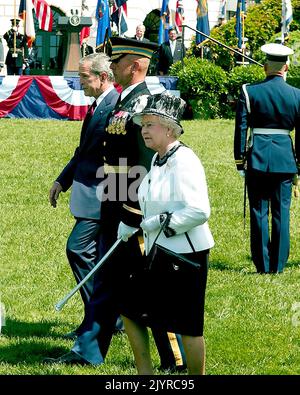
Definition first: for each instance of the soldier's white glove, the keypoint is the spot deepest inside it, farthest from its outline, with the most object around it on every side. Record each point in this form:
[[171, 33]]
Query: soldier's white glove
[[125, 231], [242, 173], [151, 224]]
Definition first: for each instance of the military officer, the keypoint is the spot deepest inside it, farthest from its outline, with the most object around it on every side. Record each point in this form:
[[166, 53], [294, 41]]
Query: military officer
[[17, 49], [271, 110], [123, 150]]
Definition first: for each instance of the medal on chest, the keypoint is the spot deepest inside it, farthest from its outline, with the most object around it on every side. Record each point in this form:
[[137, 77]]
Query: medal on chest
[[117, 123]]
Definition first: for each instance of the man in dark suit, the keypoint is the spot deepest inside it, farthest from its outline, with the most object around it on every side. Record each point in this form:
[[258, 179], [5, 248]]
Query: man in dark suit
[[85, 48], [17, 49], [170, 52], [140, 33], [271, 109], [83, 246]]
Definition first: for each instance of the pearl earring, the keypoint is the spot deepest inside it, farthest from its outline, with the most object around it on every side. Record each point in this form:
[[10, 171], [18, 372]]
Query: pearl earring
[[168, 135]]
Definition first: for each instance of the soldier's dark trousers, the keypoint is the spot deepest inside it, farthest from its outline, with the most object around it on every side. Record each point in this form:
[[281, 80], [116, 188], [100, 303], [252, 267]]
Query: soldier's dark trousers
[[269, 200]]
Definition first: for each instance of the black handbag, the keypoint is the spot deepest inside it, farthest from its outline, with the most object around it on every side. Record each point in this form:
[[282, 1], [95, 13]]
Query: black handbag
[[161, 259]]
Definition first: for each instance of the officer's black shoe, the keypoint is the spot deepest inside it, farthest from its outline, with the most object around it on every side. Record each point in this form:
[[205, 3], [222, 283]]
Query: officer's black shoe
[[70, 335], [71, 358]]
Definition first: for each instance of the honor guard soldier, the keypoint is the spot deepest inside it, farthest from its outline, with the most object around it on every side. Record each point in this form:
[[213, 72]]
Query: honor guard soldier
[[271, 110], [1, 54], [124, 143], [17, 49]]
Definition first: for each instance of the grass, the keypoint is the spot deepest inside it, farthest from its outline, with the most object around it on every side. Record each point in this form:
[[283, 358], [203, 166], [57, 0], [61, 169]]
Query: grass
[[252, 322]]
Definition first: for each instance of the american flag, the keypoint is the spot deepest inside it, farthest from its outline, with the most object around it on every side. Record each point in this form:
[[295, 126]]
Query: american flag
[[25, 12], [44, 14], [179, 17]]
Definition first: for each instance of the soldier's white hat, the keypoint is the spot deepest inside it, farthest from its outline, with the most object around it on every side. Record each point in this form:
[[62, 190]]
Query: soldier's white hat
[[277, 52]]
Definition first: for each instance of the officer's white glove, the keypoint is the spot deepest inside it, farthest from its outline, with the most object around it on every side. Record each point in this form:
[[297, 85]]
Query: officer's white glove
[[242, 173], [151, 224], [125, 231]]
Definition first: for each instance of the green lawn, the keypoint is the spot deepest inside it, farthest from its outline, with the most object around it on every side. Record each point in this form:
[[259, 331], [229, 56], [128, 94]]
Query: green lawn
[[252, 322]]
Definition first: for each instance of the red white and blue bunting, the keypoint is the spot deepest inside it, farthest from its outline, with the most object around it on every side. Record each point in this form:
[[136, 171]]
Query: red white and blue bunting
[[55, 97]]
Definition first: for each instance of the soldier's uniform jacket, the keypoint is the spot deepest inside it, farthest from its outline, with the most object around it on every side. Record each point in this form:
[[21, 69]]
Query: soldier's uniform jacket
[[21, 49], [272, 106], [124, 148]]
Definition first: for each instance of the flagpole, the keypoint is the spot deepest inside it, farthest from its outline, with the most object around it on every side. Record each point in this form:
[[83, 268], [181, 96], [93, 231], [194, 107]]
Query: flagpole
[[223, 45], [182, 44], [243, 36], [282, 20], [15, 33]]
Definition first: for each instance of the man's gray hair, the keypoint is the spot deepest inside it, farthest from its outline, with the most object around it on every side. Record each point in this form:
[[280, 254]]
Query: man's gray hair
[[99, 63], [142, 27]]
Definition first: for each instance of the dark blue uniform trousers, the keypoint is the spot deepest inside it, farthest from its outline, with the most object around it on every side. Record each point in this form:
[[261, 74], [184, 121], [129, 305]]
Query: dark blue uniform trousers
[[269, 191]]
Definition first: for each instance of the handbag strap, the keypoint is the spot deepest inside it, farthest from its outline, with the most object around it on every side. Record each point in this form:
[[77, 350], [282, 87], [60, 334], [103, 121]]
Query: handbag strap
[[163, 227], [189, 241]]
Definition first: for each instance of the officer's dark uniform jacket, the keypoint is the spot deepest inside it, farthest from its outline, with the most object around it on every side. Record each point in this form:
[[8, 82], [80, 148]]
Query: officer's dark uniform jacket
[[21, 49], [123, 148], [274, 104]]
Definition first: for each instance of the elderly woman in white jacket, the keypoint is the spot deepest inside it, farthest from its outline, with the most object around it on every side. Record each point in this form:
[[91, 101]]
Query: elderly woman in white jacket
[[176, 184]]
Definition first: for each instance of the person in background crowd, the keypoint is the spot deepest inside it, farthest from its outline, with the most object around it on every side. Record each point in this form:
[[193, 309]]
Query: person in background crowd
[[170, 52], [17, 54], [84, 247], [1, 55], [271, 110], [239, 59], [169, 189], [139, 33], [221, 22], [86, 49], [32, 58]]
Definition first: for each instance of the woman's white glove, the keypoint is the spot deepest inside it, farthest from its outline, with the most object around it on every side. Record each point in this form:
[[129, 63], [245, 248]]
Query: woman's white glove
[[151, 224], [125, 231]]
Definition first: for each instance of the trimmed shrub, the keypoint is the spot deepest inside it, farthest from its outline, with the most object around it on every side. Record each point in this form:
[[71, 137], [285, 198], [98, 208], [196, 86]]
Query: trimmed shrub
[[203, 85], [236, 78], [293, 76], [243, 75]]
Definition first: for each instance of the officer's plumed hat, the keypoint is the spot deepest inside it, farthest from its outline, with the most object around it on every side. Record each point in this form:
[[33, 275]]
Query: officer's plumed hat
[[277, 52], [13, 21], [163, 105], [126, 46]]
